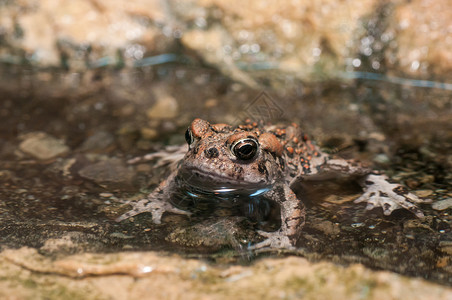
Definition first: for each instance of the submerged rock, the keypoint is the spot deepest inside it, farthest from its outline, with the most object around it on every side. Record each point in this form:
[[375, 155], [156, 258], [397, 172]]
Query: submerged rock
[[43, 146], [111, 172], [443, 204]]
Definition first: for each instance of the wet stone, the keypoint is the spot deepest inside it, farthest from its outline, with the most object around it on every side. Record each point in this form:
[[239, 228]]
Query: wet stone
[[443, 204], [98, 141], [111, 172], [146, 275], [166, 106], [424, 193], [43, 146], [148, 133]]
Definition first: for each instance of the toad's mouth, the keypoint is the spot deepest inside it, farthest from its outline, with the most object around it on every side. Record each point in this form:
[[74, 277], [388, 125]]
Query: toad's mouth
[[206, 182]]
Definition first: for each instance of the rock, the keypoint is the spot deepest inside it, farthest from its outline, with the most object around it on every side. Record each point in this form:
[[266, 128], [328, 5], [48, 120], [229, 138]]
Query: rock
[[381, 159], [145, 275], [149, 133], [111, 172], [308, 40], [98, 141], [81, 31], [422, 40], [423, 193], [443, 204], [246, 40], [43, 146], [58, 245], [327, 227], [166, 106]]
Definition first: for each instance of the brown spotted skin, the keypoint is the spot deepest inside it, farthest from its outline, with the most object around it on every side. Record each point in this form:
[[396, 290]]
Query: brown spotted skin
[[210, 153], [285, 153], [270, 158]]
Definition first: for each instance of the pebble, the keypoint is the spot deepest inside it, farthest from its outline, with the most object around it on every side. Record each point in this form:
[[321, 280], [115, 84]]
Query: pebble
[[99, 140], [377, 136], [43, 146], [148, 133], [443, 204], [121, 235], [382, 159], [423, 193], [166, 106], [211, 103], [112, 171]]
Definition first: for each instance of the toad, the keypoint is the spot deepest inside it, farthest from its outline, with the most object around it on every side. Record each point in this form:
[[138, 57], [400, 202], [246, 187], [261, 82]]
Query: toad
[[255, 160]]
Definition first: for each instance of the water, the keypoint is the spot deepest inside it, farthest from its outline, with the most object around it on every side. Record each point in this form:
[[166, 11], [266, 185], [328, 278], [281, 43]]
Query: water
[[53, 198]]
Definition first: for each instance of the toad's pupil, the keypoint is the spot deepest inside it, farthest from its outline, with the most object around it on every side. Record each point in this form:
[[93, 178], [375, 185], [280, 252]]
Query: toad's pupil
[[245, 150]]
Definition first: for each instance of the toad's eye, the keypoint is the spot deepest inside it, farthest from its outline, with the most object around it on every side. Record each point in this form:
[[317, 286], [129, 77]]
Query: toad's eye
[[189, 137], [245, 149]]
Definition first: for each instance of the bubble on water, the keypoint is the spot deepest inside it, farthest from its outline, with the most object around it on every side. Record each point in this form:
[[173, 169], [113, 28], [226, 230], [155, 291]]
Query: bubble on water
[[404, 23], [135, 51], [316, 52], [255, 48], [227, 49], [201, 22], [367, 51], [167, 31], [147, 269], [134, 34], [356, 62], [288, 28], [177, 33], [377, 46], [367, 41], [415, 65], [375, 65], [245, 48], [387, 36], [244, 35]]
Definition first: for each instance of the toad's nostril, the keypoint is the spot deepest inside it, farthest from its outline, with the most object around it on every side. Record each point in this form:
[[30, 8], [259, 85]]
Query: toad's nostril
[[211, 152]]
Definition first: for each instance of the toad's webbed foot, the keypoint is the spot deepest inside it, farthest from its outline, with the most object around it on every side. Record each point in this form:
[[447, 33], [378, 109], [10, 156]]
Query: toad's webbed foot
[[274, 240], [157, 203], [379, 192], [170, 155], [153, 206]]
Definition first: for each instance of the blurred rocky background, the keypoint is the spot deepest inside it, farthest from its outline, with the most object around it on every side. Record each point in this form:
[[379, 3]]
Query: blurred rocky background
[[255, 42], [393, 55]]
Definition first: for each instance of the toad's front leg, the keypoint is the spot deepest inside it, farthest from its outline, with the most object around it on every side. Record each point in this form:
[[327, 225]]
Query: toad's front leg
[[157, 202], [292, 220]]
